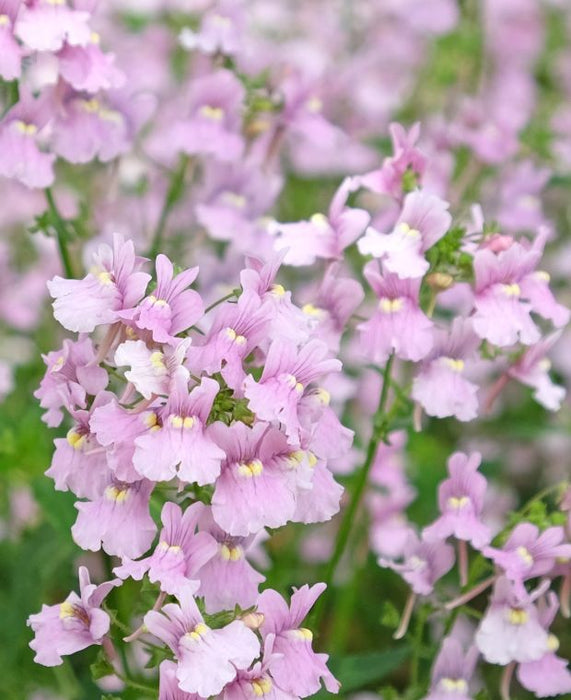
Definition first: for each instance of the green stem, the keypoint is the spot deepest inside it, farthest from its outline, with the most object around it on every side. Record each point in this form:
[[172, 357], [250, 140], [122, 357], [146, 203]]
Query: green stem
[[61, 232], [174, 193], [221, 301], [379, 432]]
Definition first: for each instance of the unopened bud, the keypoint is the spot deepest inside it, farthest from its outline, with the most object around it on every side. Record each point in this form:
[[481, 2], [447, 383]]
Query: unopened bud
[[440, 281], [253, 620]]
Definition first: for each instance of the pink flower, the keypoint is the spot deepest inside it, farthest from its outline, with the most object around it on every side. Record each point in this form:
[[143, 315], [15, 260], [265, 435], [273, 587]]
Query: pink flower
[[228, 579], [79, 462], [322, 236], [441, 387], [207, 659], [20, 129], [153, 371], [398, 325], [548, 675], [507, 289], [168, 684], [461, 499], [114, 283], [528, 553], [237, 329], [424, 220], [213, 126], [87, 68], [511, 629], [118, 520], [171, 308], [73, 625], [406, 158], [180, 553], [10, 51], [424, 563], [45, 26], [452, 672], [180, 443], [532, 369], [299, 670], [287, 372], [70, 376], [256, 488]]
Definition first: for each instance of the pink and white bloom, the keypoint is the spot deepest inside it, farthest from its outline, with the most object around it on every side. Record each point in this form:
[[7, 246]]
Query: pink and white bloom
[[452, 672], [424, 220], [87, 68], [299, 670], [398, 325], [287, 372], [114, 283], [461, 499], [324, 237], [180, 444], [441, 387], [10, 51], [207, 659], [180, 553], [44, 25], [511, 629], [172, 307], [118, 521], [507, 289], [73, 625]]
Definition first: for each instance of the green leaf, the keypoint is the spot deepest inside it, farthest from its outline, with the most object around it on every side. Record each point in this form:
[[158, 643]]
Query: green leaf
[[101, 667], [360, 670]]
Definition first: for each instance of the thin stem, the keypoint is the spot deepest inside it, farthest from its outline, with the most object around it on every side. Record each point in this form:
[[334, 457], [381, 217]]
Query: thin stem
[[406, 615], [379, 432], [220, 301], [463, 562], [142, 628], [61, 233], [174, 193], [506, 681], [472, 593]]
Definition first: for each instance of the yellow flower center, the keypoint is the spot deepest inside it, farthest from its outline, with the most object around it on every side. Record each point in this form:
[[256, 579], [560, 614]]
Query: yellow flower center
[[250, 469], [511, 290], [117, 494], [234, 337], [215, 114], [390, 306], [261, 686], [517, 616], [198, 632], [75, 439], [231, 553]]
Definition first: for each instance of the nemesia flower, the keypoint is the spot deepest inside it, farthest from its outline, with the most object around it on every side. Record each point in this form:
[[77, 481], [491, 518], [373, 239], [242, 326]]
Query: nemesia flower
[[532, 369], [287, 372], [70, 376], [452, 672], [44, 25], [332, 305], [79, 463], [228, 579], [323, 236], [10, 51], [423, 221], [115, 282], [20, 130], [153, 371], [510, 629], [181, 551], [460, 499], [528, 553], [171, 308], [220, 31], [299, 670], [237, 329], [180, 443], [168, 684], [398, 325], [549, 675], [118, 521], [207, 659], [181, 438], [87, 68], [73, 625], [424, 563], [440, 387], [406, 158], [507, 289], [91, 126], [255, 489], [213, 125]]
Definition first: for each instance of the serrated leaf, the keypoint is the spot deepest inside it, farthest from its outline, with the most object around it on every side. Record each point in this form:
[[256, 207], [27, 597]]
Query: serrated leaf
[[101, 667]]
